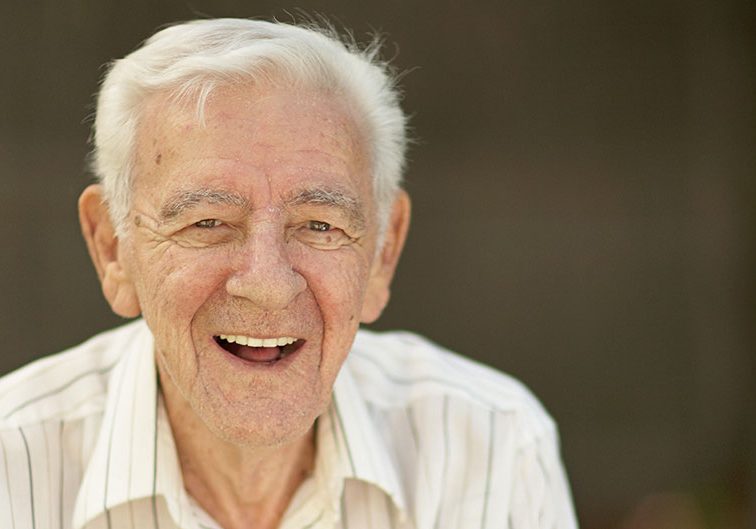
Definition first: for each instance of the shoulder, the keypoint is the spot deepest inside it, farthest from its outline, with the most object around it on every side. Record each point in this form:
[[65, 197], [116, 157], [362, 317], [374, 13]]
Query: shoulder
[[70, 383], [467, 442], [402, 369]]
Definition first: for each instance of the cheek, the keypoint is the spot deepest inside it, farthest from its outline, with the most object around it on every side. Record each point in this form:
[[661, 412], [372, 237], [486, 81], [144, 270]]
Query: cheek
[[181, 273], [338, 287], [174, 286], [338, 282]]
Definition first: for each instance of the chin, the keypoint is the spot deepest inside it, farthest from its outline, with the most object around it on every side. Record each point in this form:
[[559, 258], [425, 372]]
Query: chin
[[272, 427]]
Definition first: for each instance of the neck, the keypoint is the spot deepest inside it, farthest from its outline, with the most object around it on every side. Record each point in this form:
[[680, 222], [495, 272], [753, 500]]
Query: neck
[[239, 486]]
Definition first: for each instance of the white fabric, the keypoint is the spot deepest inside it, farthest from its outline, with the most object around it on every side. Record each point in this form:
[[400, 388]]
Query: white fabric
[[415, 437]]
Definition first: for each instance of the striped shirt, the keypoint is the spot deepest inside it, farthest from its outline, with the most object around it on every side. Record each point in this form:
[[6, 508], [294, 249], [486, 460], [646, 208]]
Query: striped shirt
[[415, 437]]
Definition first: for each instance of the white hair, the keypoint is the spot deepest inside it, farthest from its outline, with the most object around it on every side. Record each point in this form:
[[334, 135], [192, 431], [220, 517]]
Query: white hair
[[193, 58]]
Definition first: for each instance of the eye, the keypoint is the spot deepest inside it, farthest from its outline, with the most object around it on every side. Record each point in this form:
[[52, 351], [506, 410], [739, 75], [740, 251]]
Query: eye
[[208, 223], [206, 233], [317, 225], [321, 235]]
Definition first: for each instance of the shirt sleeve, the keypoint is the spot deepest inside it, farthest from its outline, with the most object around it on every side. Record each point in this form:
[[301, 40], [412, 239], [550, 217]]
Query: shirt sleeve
[[540, 494]]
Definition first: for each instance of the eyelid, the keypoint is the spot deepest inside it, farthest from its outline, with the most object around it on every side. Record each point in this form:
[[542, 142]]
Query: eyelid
[[332, 238], [216, 223], [329, 226]]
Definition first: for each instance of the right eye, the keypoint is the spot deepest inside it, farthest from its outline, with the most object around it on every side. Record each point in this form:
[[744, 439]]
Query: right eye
[[208, 223], [204, 233]]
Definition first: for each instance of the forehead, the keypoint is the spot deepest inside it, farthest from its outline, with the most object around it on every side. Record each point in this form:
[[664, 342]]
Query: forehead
[[283, 135]]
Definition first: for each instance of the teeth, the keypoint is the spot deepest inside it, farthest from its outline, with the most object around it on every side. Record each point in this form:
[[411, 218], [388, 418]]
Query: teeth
[[258, 342]]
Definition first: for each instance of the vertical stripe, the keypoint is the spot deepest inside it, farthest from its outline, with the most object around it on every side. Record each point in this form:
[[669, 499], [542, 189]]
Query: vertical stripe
[[61, 480], [466, 467], [31, 480], [154, 463], [344, 434], [180, 506], [445, 464], [367, 500], [491, 437], [523, 469], [85, 456], [389, 512], [421, 461], [8, 481], [309, 525], [131, 514], [413, 429], [334, 433], [546, 486], [133, 433], [112, 428], [49, 479]]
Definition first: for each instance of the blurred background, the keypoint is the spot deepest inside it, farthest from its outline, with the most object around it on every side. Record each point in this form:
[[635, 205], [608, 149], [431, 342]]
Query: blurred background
[[584, 218]]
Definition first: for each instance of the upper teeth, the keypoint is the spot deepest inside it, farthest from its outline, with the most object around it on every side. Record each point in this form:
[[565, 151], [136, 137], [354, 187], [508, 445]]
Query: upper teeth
[[258, 342]]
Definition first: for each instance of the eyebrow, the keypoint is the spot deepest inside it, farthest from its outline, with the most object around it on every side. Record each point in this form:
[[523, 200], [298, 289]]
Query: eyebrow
[[330, 197], [182, 201]]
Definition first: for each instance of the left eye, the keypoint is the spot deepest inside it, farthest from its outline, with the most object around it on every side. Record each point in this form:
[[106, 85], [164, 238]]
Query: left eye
[[321, 235], [317, 225], [208, 223]]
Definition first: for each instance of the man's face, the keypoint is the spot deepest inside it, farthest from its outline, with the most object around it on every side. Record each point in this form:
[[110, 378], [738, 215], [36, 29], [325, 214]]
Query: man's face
[[254, 227]]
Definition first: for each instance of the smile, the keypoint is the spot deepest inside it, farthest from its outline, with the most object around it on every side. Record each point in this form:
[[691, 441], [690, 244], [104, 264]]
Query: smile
[[259, 350]]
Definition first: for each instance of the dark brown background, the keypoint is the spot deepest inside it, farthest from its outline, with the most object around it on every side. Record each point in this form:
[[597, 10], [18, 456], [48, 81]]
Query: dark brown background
[[584, 215]]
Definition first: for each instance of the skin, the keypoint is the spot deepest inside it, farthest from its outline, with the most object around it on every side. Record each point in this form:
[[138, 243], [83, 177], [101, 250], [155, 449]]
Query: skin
[[226, 235]]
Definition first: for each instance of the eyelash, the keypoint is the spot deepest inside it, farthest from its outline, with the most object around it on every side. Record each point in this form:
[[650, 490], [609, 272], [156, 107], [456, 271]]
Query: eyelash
[[315, 233], [315, 225], [204, 223]]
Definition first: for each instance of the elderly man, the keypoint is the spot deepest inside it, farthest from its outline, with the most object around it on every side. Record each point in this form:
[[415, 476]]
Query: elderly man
[[249, 210]]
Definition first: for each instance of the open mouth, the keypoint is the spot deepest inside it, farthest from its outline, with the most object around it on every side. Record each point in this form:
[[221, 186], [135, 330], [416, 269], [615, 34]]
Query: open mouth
[[259, 350]]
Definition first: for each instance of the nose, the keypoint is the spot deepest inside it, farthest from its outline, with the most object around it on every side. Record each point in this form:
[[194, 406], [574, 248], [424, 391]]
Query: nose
[[264, 274]]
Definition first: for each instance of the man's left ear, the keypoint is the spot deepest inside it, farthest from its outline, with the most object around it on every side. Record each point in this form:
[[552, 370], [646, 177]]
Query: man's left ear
[[384, 265]]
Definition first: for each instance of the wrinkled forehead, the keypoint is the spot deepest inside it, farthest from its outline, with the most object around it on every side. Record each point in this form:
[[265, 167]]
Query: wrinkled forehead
[[293, 129], [282, 112]]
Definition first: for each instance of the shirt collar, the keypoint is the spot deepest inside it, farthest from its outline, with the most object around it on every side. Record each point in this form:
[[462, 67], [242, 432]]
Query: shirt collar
[[135, 457], [350, 446]]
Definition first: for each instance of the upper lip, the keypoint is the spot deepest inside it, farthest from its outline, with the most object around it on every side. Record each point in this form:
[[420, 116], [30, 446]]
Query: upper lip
[[254, 341]]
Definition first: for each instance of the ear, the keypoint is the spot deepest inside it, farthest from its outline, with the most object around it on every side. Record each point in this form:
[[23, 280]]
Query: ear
[[384, 264], [103, 246]]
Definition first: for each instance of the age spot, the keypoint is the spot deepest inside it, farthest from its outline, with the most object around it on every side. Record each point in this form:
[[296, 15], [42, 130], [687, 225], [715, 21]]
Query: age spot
[[158, 158]]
